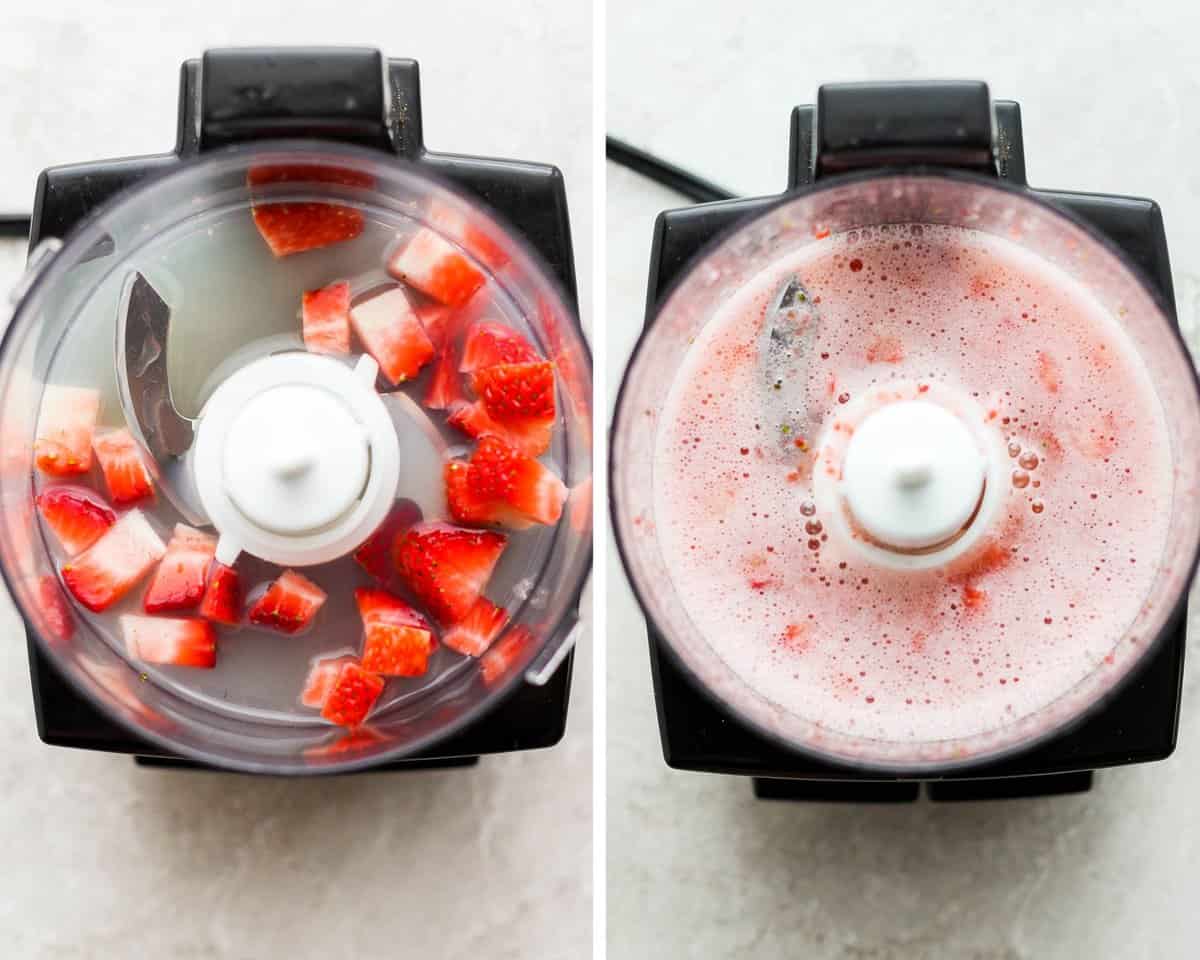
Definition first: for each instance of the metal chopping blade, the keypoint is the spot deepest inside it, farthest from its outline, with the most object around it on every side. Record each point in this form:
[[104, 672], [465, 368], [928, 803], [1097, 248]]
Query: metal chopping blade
[[785, 365], [143, 329]]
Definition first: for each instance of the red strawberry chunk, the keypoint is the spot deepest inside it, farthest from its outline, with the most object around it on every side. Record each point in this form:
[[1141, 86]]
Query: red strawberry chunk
[[437, 320], [321, 679], [178, 583], [110, 567], [325, 315], [77, 516], [530, 437], [435, 267], [504, 654], [398, 640], [57, 618], [125, 472], [456, 225], [445, 387], [222, 600], [352, 696], [65, 427], [289, 604], [489, 344], [392, 334], [294, 227], [522, 391], [473, 634], [447, 567], [500, 485], [185, 642], [375, 555]]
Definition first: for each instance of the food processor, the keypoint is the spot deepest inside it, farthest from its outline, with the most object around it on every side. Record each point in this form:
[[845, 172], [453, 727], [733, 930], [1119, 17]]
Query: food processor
[[875, 156], [147, 276]]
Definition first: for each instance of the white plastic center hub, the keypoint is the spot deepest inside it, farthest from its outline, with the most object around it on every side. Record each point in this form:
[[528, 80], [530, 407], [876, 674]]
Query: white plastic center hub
[[913, 475], [296, 459]]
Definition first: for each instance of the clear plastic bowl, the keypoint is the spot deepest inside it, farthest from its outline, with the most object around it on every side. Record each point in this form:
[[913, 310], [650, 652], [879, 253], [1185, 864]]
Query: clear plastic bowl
[[187, 199], [725, 266]]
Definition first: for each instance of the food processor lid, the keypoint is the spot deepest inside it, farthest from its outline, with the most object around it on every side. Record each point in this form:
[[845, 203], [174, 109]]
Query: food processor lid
[[296, 459]]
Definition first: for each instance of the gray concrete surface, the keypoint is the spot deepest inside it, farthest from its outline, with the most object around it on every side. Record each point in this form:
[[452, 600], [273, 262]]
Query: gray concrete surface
[[103, 861], [697, 868]]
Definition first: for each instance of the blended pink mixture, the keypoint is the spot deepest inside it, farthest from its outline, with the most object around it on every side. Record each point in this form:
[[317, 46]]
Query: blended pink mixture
[[1041, 601]]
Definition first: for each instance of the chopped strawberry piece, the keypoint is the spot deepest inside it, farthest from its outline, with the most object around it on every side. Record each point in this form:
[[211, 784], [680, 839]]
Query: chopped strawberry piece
[[294, 227], [499, 485], [489, 344], [178, 583], [503, 655], [445, 387], [325, 315], [473, 634], [398, 640], [186, 642], [517, 391], [222, 600], [321, 678], [352, 696], [125, 472], [289, 604], [530, 437], [392, 334], [65, 427], [375, 555], [77, 516], [447, 567], [437, 320], [435, 267], [110, 567], [474, 239], [358, 740], [57, 618]]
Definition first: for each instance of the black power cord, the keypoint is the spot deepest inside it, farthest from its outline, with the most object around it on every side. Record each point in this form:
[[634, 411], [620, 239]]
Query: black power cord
[[670, 176], [15, 225]]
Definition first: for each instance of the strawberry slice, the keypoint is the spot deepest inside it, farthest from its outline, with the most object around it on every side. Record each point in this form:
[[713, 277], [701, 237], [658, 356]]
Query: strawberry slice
[[447, 567], [445, 387], [437, 320], [489, 344], [375, 555], [352, 695], [65, 427], [517, 391], [398, 640], [77, 516], [503, 655], [321, 679], [289, 604], [435, 267], [57, 617], [222, 600], [125, 472], [392, 334], [294, 227], [499, 485], [184, 642], [456, 225], [110, 567], [473, 634], [178, 583], [325, 314], [530, 437]]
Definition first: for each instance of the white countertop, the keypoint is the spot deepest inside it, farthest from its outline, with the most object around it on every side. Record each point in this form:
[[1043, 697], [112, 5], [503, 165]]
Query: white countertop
[[697, 867], [105, 860]]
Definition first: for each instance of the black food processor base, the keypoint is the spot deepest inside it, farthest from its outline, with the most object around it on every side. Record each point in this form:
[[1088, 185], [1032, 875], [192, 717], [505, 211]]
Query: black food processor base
[[870, 125], [219, 104]]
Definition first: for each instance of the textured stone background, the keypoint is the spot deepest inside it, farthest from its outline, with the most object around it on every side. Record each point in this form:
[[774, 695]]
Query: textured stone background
[[697, 869], [103, 861]]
